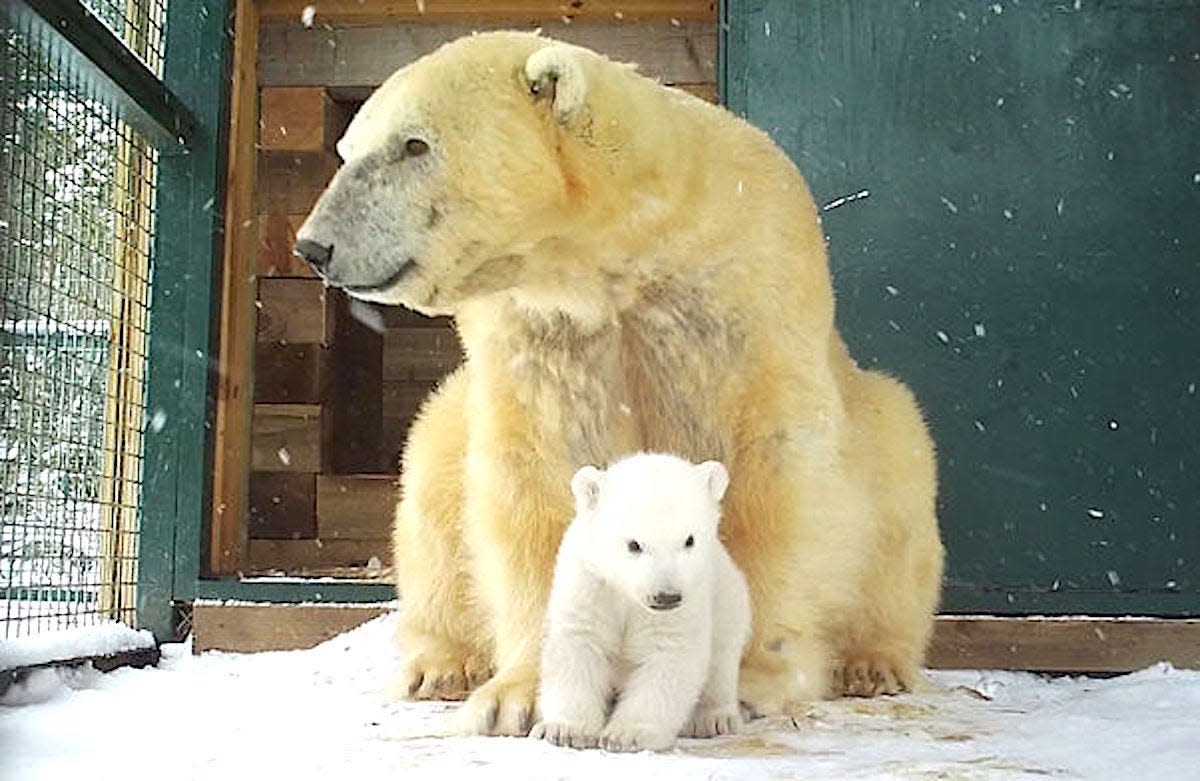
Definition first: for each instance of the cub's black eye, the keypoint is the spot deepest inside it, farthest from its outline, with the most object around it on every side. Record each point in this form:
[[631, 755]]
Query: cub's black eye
[[689, 542], [415, 147], [634, 547]]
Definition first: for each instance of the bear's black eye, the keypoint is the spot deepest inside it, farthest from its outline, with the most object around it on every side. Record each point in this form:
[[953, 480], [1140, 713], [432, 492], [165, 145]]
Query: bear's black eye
[[689, 542], [415, 147], [634, 547]]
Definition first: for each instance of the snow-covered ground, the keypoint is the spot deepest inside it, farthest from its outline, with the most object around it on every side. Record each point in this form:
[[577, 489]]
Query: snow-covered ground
[[319, 714]]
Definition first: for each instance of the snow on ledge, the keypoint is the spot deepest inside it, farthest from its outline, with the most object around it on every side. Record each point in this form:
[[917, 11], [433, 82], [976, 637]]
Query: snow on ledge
[[104, 639]]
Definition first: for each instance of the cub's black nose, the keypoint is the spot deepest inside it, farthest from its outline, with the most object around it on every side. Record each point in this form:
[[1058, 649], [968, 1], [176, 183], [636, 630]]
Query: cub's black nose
[[317, 255], [666, 600]]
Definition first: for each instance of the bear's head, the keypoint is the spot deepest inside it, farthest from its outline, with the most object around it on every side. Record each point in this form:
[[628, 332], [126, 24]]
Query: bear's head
[[454, 173], [649, 524]]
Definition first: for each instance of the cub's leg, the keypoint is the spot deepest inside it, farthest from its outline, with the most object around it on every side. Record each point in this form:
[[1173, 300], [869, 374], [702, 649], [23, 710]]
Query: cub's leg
[[717, 712], [576, 673], [445, 649], [658, 696]]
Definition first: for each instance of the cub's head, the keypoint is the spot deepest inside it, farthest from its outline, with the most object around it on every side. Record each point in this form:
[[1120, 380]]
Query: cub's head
[[452, 174], [650, 525]]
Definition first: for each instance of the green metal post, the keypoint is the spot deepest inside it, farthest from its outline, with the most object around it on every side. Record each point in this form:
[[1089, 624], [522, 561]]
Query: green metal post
[[179, 399]]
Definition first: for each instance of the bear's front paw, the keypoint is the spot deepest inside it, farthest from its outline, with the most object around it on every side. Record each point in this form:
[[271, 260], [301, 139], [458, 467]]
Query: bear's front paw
[[711, 722], [502, 706], [438, 672], [635, 737], [561, 734]]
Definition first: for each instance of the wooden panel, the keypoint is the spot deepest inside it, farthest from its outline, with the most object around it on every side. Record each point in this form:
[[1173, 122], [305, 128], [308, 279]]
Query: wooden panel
[[706, 91], [377, 11], [291, 182], [231, 438], [353, 392], [294, 311], [684, 53], [287, 438], [1064, 644], [283, 506], [419, 353], [299, 119], [303, 556], [289, 373], [253, 628], [276, 238], [402, 399], [358, 507]]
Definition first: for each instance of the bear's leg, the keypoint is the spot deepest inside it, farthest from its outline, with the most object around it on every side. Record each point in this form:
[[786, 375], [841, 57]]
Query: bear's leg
[[775, 539], [442, 636], [882, 642], [517, 511], [655, 701]]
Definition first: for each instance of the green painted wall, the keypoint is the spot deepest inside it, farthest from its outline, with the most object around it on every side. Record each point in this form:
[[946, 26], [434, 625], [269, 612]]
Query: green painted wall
[[1028, 259]]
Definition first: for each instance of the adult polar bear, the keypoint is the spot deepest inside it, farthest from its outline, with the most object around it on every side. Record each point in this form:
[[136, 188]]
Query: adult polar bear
[[629, 268]]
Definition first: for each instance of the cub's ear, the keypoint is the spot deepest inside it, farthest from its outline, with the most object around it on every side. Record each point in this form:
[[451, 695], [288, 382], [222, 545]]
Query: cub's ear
[[716, 479], [586, 485], [556, 74]]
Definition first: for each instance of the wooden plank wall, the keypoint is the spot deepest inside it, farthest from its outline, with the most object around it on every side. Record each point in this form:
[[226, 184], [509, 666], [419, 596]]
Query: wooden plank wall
[[334, 392]]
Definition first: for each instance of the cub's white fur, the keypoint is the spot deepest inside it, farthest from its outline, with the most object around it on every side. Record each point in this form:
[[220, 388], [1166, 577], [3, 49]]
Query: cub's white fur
[[647, 607]]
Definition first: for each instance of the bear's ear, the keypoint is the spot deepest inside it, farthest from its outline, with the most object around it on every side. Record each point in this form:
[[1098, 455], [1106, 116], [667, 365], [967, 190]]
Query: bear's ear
[[586, 486], [556, 74], [716, 479]]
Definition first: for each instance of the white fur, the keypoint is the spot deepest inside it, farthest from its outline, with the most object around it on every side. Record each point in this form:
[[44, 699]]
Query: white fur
[[673, 671]]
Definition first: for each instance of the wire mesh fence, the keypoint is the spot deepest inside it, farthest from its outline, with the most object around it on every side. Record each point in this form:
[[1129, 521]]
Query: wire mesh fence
[[76, 225], [138, 23]]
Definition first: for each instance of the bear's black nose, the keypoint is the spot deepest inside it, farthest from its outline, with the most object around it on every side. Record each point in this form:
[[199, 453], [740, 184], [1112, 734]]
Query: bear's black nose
[[665, 600], [317, 255]]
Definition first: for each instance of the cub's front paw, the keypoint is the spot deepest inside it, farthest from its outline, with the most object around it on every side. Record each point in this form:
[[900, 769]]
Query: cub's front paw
[[561, 734], [711, 722], [635, 737]]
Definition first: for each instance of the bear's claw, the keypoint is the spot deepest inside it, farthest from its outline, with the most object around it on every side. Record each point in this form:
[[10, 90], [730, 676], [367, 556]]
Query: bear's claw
[[710, 723], [634, 738], [566, 735], [499, 707], [427, 675]]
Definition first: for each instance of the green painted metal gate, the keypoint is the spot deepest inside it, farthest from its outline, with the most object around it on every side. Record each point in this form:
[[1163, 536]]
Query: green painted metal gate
[[1012, 198]]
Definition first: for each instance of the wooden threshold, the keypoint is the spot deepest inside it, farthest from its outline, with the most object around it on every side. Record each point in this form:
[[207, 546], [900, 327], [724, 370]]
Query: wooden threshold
[[1055, 645], [253, 627], [1065, 644]]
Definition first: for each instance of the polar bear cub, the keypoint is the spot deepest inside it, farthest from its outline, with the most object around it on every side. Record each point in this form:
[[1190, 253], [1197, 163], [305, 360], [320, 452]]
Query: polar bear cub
[[648, 614]]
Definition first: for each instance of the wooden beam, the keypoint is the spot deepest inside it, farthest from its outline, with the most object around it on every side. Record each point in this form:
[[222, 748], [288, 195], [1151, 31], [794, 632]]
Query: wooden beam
[[276, 237], [356, 507], [381, 11], [311, 557], [287, 438], [684, 53], [283, 506], [1063, 644], [294, 311], [299, 119], [231, 467], [252, 628]]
